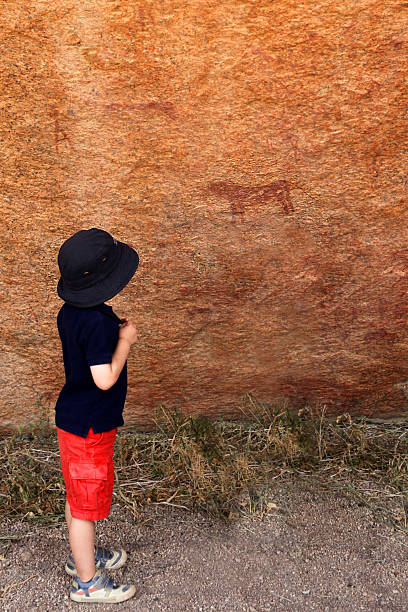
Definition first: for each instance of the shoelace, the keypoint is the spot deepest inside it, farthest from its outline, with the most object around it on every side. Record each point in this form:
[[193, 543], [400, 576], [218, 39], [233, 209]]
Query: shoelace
[[102, 581], [102, 554], [107, 583]]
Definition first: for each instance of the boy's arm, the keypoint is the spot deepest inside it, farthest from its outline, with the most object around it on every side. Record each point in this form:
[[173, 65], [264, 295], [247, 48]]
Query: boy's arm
[[105, 375]]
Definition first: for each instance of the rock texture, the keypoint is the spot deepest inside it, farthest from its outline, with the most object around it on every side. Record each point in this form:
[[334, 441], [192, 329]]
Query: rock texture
[[254, 154]]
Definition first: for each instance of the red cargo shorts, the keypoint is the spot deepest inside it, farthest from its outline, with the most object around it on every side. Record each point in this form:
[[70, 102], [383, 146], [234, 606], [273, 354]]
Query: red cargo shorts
[[87, 467]]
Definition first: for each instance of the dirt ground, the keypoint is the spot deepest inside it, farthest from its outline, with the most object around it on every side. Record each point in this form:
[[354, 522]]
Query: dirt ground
[[315, 551]]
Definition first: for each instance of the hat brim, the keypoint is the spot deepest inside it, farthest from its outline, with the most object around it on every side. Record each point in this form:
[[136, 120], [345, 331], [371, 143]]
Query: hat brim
[[107, 288]]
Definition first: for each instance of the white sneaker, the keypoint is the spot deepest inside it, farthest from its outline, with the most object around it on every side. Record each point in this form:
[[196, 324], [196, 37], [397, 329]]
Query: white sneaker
[[104, 559], [101, 589]]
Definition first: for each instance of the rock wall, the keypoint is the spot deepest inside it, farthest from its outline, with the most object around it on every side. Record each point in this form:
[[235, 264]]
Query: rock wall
[[254, 154]]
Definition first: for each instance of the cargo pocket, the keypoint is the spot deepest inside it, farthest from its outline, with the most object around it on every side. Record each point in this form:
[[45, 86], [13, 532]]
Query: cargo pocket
[[88, 485]]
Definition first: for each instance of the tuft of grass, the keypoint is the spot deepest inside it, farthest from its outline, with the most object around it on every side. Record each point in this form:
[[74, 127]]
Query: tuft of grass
[[225, 468], [31, 485]]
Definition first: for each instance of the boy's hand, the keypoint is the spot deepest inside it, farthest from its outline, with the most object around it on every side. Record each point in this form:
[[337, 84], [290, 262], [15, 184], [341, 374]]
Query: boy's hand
[[105, 375], [128, 331]]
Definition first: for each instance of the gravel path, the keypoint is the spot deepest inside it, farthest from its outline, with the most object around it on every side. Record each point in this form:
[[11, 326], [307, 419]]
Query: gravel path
[[316, 551]]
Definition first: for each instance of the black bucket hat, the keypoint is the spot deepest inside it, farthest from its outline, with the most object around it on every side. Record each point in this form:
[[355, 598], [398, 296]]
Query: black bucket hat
[[94, 267]]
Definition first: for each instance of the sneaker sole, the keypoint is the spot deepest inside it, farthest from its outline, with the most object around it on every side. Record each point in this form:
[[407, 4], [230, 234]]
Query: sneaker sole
[[120, 563], [103, 599]]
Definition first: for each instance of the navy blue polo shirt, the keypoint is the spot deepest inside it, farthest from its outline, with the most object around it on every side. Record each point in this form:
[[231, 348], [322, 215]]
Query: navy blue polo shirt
[[89, 337]]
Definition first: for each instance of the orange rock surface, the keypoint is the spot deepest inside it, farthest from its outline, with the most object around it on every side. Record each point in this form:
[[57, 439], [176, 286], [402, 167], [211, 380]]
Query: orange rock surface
[[254, 153]]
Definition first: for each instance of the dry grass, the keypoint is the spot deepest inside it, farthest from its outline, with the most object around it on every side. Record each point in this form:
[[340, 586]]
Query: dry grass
[[221, 467]]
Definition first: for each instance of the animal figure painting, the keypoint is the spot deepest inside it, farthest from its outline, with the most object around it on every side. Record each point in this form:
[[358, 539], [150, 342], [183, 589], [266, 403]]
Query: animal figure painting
[[240, 196]]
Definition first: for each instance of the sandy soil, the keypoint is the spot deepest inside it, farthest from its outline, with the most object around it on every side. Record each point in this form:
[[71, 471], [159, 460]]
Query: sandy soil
[[316, 551]]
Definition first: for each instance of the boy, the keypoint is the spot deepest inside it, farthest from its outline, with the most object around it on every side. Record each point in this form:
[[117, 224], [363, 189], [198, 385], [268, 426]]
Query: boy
[[95, 344]]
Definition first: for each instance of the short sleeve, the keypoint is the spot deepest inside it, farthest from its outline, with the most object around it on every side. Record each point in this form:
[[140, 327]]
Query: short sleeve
[[99, 339]]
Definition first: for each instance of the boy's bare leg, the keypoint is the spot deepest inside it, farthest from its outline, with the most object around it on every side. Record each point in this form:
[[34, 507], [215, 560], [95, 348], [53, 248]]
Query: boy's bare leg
[[68, 516], [82, 541]]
